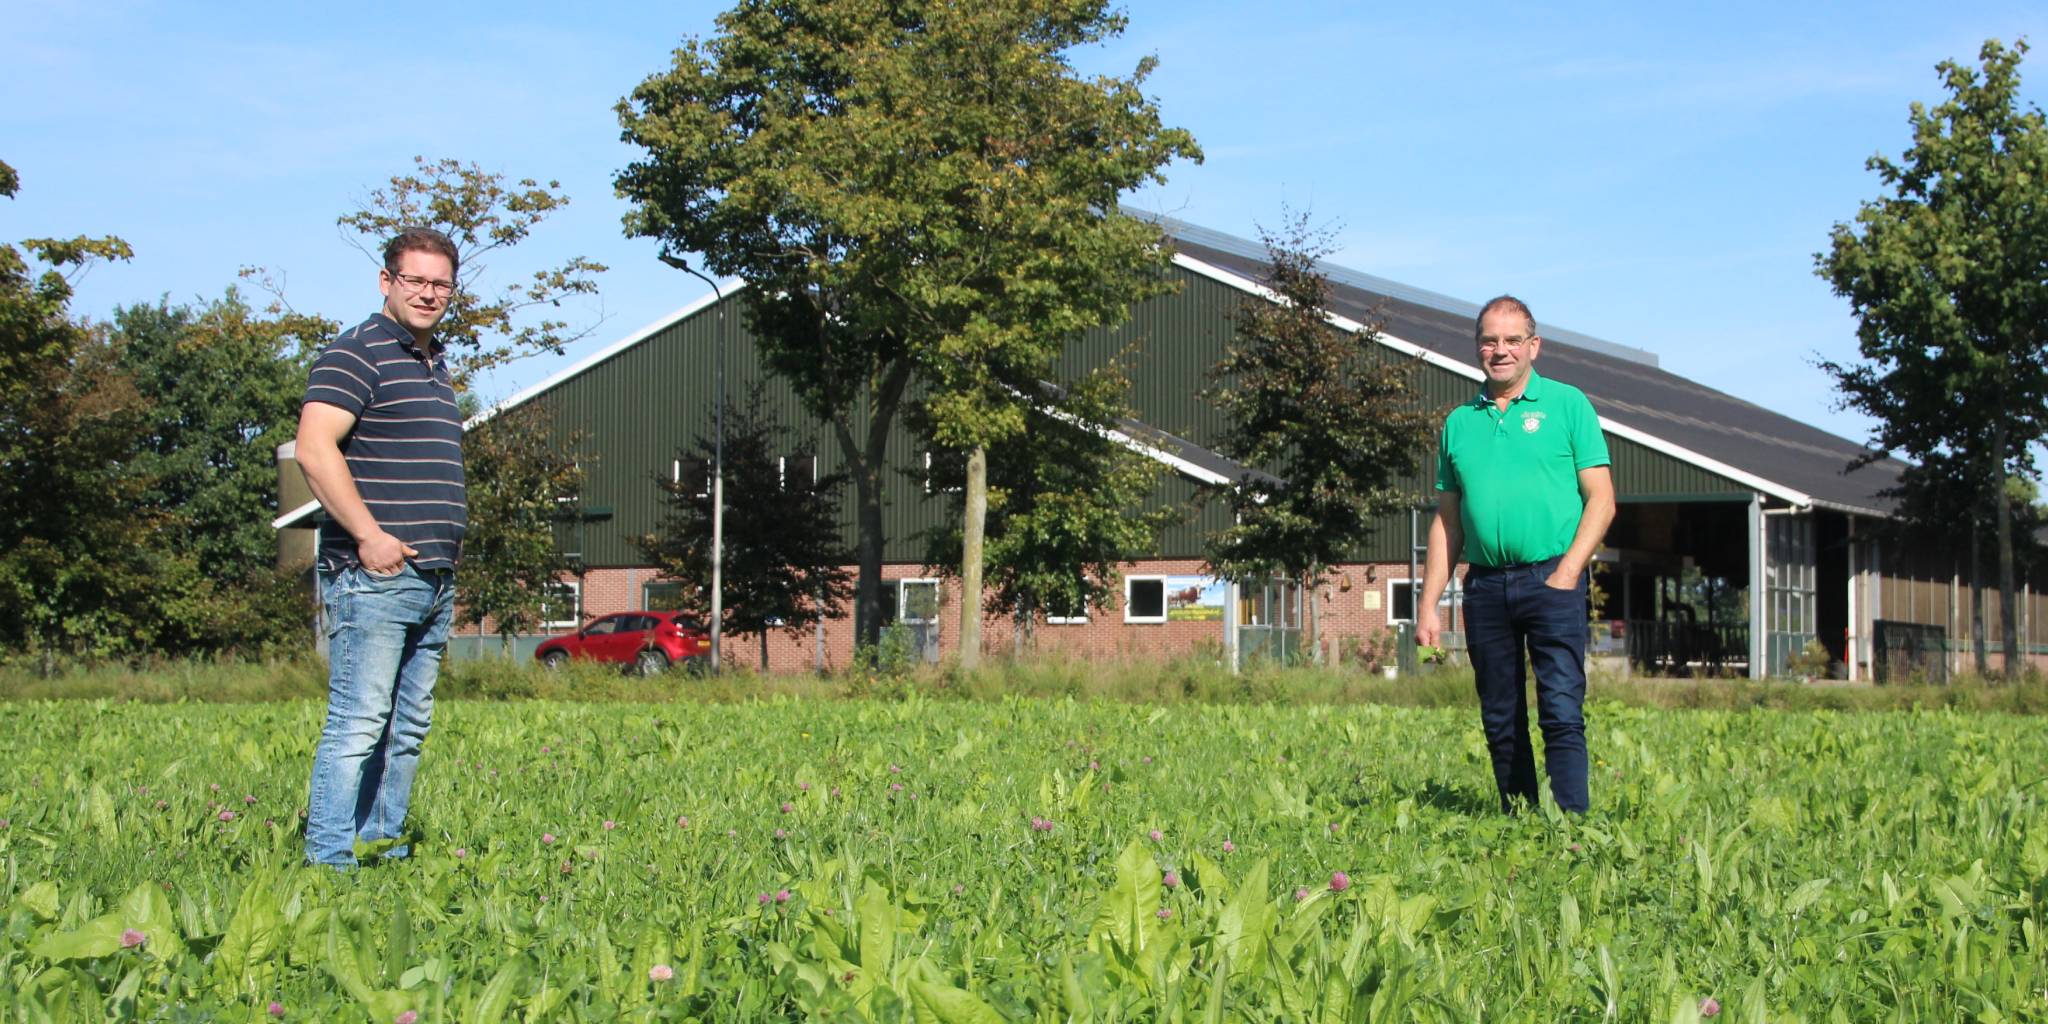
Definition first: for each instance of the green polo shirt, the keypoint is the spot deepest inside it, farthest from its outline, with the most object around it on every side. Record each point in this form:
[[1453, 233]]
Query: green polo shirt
[[1517, 472]]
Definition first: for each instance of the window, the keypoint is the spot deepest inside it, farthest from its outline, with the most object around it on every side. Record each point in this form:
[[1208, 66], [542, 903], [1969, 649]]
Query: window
[[951, 465], [1144, 599], [661, 596], [562, 607], [606, 626], [1401, 601], [1059, 612], [917, 602]]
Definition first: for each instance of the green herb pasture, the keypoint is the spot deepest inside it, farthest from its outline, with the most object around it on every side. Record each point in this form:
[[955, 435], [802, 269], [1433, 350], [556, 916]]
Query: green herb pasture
[[964, 861]]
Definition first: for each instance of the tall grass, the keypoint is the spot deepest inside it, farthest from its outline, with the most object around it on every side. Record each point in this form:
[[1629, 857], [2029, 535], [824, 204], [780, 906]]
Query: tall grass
[[1187, 681]]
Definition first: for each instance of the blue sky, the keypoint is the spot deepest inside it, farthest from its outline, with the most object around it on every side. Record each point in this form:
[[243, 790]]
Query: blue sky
[[1657, 175]]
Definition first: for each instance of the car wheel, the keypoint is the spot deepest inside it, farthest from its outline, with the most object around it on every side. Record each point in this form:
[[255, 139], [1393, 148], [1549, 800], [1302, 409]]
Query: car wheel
[[554, 659], [652, 662]]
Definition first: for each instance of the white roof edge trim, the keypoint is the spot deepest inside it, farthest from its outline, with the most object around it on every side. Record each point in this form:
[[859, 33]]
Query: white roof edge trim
[[295, 515], [727, 289], [1406, 348], [1156, 454], [1643, 438], [1799, 499], [1859, 510]]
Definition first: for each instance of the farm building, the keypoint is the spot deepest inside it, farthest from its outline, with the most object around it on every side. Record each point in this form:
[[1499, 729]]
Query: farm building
[[1741, 540]]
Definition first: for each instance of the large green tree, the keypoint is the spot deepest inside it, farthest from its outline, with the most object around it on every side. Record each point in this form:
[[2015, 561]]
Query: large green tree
[[76, 568], [1066, 500], [489, 319], [222, 382], [519, 479], [1331, 417], [785, 565], [219, 388], [1944, 274], [917, 192]]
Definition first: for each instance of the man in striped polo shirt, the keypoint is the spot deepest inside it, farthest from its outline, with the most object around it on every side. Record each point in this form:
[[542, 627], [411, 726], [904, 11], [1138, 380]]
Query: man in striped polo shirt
[[1524, 495], [381, 445]]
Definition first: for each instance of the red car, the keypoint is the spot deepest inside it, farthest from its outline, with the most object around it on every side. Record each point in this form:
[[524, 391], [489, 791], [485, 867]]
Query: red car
[[647, 642]]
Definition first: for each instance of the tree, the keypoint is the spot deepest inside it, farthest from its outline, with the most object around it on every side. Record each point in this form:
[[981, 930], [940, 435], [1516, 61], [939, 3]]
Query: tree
[[223, 384], [1944, 277], [1064, 500], [1944, 493], [1332, 415], [518, 480], [915, 191], [784, 562], [477, 210], [219, 387], [73, 577]]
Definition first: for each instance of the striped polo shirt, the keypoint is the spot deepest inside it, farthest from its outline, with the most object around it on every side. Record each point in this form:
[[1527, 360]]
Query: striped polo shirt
[[405, 450]]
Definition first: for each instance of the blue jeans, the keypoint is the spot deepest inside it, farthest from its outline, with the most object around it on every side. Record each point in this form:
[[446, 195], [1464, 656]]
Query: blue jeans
[[1508, 610], [385, 638]]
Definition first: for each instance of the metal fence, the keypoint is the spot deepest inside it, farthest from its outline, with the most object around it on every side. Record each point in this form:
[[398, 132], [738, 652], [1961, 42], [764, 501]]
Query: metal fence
[[469, 648], [1676, 648], [1909, 651]]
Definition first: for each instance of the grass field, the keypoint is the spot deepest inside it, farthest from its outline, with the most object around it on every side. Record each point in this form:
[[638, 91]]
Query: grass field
[[1029, 859]]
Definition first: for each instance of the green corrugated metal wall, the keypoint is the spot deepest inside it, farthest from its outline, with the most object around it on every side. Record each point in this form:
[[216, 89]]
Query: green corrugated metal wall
[[638, 407]]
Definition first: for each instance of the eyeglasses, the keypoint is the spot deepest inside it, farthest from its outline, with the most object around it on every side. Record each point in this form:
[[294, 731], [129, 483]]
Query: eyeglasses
[[1515, 342], [424, 284]]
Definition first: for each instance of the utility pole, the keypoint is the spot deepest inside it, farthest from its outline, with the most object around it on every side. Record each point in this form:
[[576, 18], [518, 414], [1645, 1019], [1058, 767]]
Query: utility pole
[[717, 464]]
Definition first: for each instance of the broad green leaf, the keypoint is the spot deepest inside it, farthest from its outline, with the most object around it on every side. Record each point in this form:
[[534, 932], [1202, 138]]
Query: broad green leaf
[[40, 899], [497, 996], [1247, 919], [100, 810], [1803, 897], [255, 934], [1127, 912], [97, 938], [938, 1003]]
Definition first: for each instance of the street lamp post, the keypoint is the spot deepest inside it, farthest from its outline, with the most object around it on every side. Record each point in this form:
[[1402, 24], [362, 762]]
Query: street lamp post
[[717, 464]]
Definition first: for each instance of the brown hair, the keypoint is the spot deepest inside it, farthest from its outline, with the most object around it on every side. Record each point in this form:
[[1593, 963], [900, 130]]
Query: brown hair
[[417, 239], [1510, 302]]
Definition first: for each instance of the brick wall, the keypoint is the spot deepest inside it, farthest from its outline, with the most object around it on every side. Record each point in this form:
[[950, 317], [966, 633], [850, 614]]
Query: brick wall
[[1356, 603]]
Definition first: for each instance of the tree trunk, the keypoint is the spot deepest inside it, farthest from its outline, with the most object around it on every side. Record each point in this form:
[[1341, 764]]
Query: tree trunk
[[819, 637], [867, 587], [1977, 593], [2008, 596], [1309, 587], [764, 650], [865, 459], [974, 519]]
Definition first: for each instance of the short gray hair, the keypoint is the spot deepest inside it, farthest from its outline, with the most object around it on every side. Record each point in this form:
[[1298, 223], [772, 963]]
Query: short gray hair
[[1509, 302]]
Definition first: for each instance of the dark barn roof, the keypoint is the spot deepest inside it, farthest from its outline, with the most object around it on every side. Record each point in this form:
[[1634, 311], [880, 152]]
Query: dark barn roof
[[1626, 385]]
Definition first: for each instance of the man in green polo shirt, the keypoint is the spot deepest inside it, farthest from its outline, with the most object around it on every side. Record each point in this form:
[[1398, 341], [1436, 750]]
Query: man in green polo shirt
[[1524, 496]]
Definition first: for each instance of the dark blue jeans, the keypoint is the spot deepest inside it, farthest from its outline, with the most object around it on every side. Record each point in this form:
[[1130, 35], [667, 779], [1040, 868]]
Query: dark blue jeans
[[1509, 611]]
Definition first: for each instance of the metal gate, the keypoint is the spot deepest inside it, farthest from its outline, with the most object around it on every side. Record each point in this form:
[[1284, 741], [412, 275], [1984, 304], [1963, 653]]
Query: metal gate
[[1269, 622], [1909, 651]]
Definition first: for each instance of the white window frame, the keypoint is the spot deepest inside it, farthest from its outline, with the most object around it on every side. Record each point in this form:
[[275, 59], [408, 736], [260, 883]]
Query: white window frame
[[646, 585], [938, 590], [575, 620], [1453, 595], [928, 488], [1145, 620], [1070, 620]]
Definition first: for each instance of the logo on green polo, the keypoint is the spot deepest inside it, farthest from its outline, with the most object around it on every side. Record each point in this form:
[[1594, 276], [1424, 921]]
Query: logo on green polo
[[1532, 421]]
